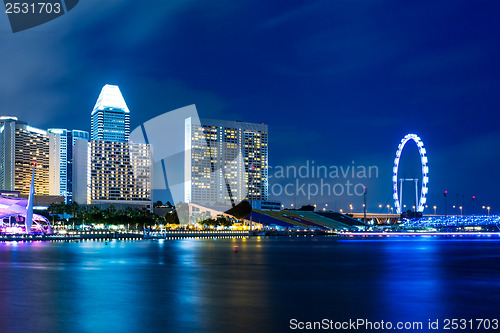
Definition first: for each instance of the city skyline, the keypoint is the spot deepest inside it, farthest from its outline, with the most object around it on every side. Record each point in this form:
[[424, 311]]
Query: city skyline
[[249, 166], [110, 100], [326, 97]]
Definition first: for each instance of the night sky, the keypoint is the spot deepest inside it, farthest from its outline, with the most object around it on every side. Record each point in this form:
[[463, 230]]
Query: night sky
[[336, 81]]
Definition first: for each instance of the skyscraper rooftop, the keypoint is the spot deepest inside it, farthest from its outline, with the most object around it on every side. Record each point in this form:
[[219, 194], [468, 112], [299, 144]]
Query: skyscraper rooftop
[[111, 116], [110, 97]]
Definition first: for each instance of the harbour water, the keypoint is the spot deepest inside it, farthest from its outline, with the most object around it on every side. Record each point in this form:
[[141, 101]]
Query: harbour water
[[210, 285]]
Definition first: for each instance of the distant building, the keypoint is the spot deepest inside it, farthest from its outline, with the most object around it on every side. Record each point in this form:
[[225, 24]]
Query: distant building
[[21, 146], [225, 162], [81, 170], [120, 173], [266, 205], [111, 116], [62, 142], [75, 136], [13, 194], [58, 161]]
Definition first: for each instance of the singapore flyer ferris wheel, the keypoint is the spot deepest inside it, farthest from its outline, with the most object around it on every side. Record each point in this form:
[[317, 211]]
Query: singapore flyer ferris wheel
[[398, 193]]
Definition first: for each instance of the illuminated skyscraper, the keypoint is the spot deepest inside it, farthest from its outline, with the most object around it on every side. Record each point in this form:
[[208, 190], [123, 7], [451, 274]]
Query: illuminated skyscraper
[[120, 173], [226, 162], [111, 116], [62, 143], [58, 169], [20, 147]]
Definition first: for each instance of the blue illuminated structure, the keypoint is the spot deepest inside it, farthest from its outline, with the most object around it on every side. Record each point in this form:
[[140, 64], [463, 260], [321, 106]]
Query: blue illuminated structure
[[111, 116], [425, 174]]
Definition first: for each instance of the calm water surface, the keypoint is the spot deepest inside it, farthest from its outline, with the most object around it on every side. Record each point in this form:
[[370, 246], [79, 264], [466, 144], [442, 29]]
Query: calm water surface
[[202, 285]]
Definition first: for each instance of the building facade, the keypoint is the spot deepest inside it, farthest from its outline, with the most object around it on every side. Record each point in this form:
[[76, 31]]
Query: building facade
[[225, 162], [81, 165], [58, 162], [62, 143], [266, 205], [22, 146], [120, 173], [110, 118]]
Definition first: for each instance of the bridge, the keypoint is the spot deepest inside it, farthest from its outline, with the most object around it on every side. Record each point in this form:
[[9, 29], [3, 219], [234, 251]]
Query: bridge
[[378, 218]]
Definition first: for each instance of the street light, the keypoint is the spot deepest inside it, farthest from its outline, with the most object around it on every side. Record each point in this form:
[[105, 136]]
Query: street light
[[488, 210], [460, 210], [445, 193], [435, 207], [388, 209]]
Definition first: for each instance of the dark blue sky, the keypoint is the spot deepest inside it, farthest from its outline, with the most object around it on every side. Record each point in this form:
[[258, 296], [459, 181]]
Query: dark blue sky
[[336, 81]]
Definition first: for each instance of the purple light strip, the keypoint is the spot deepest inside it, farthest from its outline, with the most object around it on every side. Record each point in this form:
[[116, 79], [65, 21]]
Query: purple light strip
[[420, 233]]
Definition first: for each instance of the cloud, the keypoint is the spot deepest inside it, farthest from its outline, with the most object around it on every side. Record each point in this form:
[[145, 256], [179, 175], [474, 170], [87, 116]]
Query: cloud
[[53, 73]]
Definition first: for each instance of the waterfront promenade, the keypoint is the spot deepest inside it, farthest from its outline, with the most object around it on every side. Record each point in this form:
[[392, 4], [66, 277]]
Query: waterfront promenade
[[178, 234], [121, 235]]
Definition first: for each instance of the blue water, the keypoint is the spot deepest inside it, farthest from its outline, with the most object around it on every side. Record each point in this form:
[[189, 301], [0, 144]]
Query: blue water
[[203, 285]]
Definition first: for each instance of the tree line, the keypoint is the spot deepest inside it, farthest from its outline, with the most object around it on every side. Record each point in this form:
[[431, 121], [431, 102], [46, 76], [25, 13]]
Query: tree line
[[132, 216], [109, 216]]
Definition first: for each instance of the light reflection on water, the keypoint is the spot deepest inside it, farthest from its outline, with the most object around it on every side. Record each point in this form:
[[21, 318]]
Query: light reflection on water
[[203, 285]]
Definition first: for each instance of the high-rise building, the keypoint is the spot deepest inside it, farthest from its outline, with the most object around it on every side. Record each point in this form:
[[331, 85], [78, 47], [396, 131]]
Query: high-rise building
[[62, 142], [120, 173], [111, 116], [74, 164], [58, 164], [81, 170], [21, 146], [225, 162]]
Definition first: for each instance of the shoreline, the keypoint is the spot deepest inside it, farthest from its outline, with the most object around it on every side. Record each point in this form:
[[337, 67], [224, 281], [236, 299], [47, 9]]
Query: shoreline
[[105, 235]]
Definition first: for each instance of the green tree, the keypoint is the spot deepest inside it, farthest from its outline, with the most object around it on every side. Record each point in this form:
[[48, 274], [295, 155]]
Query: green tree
[[72, 209], [109, 215], [171, 218], [224, 221], [96, 215]]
